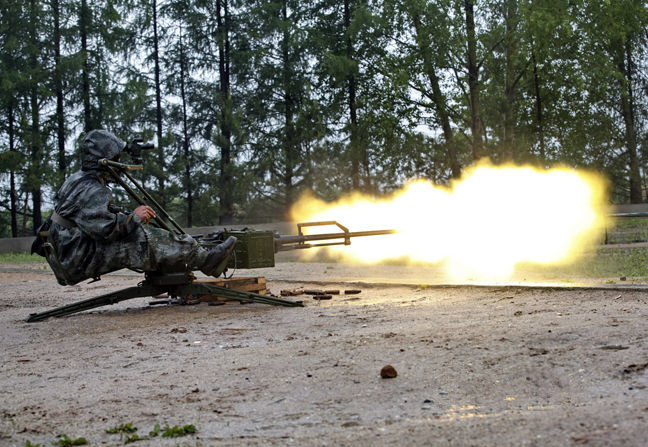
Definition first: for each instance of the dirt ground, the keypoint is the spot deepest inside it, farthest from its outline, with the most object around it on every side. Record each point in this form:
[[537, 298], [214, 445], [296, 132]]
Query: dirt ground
[[482, 365]]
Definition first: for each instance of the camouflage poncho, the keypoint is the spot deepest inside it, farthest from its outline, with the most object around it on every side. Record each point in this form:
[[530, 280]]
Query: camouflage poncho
[[102, 239]]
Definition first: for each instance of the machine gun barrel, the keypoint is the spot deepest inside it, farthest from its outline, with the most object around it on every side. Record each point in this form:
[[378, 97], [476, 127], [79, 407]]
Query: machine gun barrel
[[300, 241]]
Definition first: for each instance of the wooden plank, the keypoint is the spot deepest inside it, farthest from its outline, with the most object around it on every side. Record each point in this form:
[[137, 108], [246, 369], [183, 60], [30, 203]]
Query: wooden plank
[[245, 284]]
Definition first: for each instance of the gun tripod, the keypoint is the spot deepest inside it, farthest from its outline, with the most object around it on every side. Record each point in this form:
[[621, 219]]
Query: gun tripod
[[181, 287]]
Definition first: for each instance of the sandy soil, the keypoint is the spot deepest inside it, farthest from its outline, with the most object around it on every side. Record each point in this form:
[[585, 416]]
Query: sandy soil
[[477, 365]]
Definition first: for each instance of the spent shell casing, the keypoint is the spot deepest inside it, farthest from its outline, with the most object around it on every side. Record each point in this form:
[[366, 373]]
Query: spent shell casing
[[287, 293], [314, 292]]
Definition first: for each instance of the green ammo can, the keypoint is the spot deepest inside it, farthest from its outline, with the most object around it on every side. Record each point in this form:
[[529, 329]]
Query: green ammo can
[[254, 249]]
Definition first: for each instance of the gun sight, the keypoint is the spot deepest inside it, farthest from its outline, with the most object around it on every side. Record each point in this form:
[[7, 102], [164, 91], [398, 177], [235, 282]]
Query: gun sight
[[135, 148]]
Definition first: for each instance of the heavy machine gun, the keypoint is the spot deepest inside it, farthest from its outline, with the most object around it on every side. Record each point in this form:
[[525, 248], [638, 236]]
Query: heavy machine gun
[[257, 249], [254, 249]]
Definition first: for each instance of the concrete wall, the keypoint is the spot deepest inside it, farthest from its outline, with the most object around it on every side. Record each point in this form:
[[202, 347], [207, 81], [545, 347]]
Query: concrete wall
[[631, 208], [16, 245]]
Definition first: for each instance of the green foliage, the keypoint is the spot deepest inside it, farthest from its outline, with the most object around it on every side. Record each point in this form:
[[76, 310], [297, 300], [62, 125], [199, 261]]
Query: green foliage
[[134, 438], [172, 432], [606, 264], [10, 161], [628, 230], [14, 258], [156, 431], [128, 432], [176, 431], [29, 444], [630, 262], [66, 441], [122, 428]]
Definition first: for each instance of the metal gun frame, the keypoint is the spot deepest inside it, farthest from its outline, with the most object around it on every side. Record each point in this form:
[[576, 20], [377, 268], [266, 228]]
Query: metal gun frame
[[177, 285], [183, 285], [283, 243]]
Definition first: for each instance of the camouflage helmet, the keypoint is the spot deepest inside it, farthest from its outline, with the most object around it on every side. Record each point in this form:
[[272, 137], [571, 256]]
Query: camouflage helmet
[[98, 144]]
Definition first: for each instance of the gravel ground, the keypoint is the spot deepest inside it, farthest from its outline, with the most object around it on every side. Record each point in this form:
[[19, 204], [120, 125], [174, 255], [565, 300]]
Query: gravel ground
[[483, 365]]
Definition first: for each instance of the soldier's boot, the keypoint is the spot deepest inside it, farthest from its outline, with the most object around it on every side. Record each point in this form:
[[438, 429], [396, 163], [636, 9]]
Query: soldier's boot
[[217, 256]]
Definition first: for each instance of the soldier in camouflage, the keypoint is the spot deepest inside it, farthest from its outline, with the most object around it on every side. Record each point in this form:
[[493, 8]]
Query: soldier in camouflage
[[91, 236]]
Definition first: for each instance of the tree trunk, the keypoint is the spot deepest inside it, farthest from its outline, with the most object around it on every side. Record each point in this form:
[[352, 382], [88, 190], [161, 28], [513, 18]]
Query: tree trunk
[[36, 156], [12, 176], [84, 22], [60, 118], [35, 138], [226, 215], [538, 101], [309, 179], [473, 82], [158, 109], [288, 117], [24, 213], [509, 83], [439, 100], [185, 135], [354, 148], [624, 65]]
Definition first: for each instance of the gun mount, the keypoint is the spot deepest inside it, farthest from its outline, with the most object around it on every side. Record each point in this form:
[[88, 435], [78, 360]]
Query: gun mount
[[181, 287], [254, 249], [257, 249]]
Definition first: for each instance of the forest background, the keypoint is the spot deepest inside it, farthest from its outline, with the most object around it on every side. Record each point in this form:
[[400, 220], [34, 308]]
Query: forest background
[[253, 102]]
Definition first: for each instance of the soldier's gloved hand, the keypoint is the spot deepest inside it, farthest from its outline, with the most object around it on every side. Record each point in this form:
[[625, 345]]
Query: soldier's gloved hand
[[145, 213]]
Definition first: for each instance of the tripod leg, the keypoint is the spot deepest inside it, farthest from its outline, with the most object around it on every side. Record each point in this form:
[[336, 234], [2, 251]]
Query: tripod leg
[[102, 300], [201, 289]]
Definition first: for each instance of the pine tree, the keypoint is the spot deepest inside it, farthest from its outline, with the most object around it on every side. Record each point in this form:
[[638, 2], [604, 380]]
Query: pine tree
[[12, 86], [615, 44], [278, 101]]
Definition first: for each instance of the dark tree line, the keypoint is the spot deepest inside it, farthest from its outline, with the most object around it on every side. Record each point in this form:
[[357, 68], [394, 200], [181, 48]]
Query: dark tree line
[[253, 102]]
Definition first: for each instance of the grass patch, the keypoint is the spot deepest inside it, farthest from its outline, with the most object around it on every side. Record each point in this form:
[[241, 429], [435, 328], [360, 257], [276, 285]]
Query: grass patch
[[122, 428], [628, 230], [15, 258], [605, 263], [134, 438], [173, 432], [66, 441], [620, 262], [127, 432]]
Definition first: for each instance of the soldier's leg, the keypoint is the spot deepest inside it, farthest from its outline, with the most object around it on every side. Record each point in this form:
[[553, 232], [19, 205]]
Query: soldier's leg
[[169, 253], [150, 249]]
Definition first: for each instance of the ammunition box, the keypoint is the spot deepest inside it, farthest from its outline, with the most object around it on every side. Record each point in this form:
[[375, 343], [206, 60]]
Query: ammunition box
[[254, 249]]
